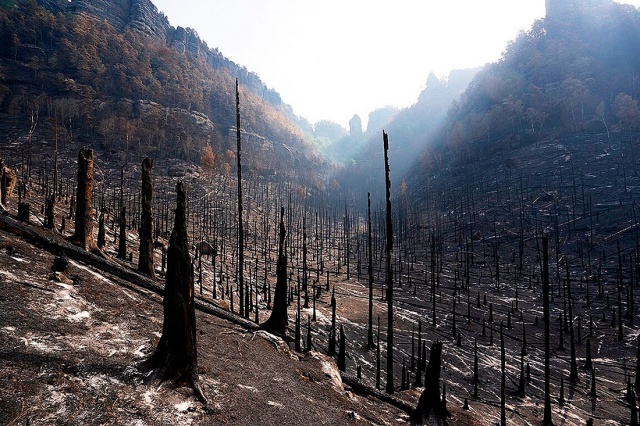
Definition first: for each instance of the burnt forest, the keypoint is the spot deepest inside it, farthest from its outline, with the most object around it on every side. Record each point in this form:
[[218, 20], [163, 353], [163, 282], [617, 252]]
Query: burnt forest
[[177, 246]]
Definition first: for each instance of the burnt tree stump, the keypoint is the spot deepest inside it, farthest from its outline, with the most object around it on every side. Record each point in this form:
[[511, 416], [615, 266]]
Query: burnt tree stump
[[83, 233], [429, 404], [277, 322], [176, 356]]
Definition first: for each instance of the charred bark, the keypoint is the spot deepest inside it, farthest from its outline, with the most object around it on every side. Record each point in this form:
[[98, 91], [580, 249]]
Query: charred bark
[[370, 343], [240, 210], [101, 231], [49, 215], [429, 404], [145, 258], [546, 421], [278, 321], [176, 356], [122, 236], [83, 233], [342, 361], [389, 246], [3, 186]]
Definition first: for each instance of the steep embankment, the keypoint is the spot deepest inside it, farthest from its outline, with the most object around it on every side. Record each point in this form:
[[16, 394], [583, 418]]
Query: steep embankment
[[71, 345]]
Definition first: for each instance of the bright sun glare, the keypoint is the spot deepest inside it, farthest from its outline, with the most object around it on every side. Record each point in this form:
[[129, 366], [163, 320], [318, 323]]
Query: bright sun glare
[[331, 59]]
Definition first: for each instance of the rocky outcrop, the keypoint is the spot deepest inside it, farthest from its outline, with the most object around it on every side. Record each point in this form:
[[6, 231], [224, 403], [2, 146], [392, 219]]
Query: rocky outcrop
[[117, 13], [141, 15], [145, 17], [379, 118], [355, 126]]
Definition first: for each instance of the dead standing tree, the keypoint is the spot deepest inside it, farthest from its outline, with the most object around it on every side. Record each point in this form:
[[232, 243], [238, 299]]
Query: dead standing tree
[[3, 186], [277, 322], [83, 234], [122, 239], [370, 343], [546, 421], [176, 356], [49, 219], [243, 309], [389, 246], [429, 405], [145, 259]]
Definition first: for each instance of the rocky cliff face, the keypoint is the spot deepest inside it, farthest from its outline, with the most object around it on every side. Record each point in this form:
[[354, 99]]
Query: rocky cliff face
[[141, 15]]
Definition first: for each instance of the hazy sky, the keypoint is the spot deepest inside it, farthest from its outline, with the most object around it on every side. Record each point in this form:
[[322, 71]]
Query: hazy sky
[[331, 59]]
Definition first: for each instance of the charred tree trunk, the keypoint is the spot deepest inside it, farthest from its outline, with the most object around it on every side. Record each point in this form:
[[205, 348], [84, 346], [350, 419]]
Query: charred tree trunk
[[342, 362], [50, 221], [122, 221], [101, 231], [122, 236], [145, 258], [277, 322], [389, 246], [545, 304], [3, 186], [240, 215], [49, 215], [83, 234], [370, 262], [176, 356], [503, 376], [429, 403]]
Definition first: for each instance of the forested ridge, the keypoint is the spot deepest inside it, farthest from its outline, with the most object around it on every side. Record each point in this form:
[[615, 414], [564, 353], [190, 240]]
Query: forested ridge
[[575, 72], [566, 75], [76, 78]]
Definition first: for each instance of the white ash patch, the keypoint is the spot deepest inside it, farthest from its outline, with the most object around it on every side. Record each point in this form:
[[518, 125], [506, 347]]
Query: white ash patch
[[100, 381], [66, 303], [249, 388], [9, 276], [330, 369], [183, 407], [42, 343], [80, 316]]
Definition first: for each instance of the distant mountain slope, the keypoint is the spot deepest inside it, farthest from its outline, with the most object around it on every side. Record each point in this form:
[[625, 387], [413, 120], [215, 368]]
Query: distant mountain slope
[[117, 75], [573, 72], [410, 131], [576, 71]]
